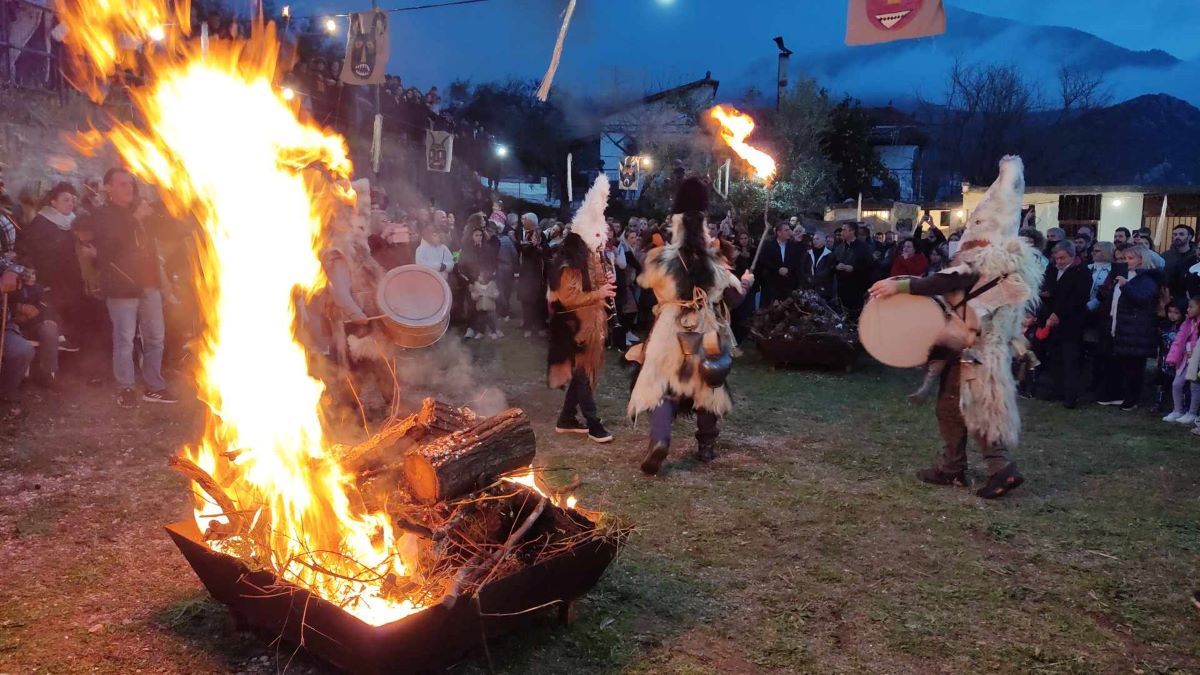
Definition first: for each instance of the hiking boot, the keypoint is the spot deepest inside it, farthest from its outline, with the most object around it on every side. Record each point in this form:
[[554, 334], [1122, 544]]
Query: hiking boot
[[127, 398], [160, 396], [597, 432], [570, 425], [935, 476], [706, 451], [654, 460], [1128, 407], [1001, 483]]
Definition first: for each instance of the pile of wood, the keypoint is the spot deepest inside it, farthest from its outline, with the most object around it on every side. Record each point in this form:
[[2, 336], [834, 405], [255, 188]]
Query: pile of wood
[[804, 329], [444, 475]]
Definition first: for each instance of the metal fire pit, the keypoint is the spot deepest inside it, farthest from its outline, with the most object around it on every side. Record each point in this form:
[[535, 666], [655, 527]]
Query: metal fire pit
[[436, 636]]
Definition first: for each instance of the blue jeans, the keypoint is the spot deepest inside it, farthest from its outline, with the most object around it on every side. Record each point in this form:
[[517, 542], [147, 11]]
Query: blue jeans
[[18, 356], [129, 316]]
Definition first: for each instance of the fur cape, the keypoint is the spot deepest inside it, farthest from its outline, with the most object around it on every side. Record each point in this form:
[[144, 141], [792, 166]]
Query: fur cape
[[988, 392], [664, 369], [578, 316]]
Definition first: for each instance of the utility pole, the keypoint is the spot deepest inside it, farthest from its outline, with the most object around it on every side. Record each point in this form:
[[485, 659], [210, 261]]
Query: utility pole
[[781, 78]]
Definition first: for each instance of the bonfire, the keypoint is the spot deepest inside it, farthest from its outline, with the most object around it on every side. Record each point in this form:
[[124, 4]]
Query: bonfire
[[427, 512]]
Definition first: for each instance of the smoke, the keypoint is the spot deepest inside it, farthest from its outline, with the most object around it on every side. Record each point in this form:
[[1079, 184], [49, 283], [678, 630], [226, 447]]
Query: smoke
[[446, 372]]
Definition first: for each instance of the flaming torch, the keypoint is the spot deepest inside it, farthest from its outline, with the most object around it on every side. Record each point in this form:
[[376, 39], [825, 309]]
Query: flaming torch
[[735, 127]]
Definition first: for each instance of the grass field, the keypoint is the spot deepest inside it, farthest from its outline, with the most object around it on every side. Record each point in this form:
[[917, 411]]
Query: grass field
[[807, 547]]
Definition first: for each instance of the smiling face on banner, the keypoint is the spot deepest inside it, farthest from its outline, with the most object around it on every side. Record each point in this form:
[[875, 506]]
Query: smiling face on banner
[[892, 14]]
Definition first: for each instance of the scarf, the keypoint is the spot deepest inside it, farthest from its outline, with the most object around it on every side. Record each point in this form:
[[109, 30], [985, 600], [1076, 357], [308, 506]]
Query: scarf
[[57, 217]]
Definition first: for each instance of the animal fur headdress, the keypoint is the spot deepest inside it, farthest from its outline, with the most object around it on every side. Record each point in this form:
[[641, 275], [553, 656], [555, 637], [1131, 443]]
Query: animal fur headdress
[[998, 217], [692, 197], [589, 222]]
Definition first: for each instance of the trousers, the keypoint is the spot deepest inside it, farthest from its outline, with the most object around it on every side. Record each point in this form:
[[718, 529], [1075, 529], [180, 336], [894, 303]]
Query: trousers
[[953, 427], [14, 363], [580, 398], [708, 425], [129, 317], [1179, 386]]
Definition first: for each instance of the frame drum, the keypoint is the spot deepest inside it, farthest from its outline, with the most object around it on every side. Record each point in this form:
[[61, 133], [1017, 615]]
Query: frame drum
[[415, 303], [900, 330]]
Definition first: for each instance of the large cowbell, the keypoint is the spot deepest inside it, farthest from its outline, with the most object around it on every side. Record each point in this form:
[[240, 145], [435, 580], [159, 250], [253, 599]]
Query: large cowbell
[[366, 48]]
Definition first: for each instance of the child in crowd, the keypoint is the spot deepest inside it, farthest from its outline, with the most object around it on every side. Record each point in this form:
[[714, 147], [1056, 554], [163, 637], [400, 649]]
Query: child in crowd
[[1179, 357], [484, 292], [1168, 331]]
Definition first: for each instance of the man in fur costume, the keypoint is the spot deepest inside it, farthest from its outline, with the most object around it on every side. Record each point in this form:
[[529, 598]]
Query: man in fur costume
[[994, 278], [579, 292], [686, 358], [360, 345]]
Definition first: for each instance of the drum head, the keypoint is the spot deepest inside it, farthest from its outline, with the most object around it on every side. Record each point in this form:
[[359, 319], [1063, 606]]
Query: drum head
[[900, 330], [414, 296]]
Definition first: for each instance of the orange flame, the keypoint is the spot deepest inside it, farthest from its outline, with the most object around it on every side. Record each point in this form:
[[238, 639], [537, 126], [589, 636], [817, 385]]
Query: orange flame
[[736, 127], [222, 144]]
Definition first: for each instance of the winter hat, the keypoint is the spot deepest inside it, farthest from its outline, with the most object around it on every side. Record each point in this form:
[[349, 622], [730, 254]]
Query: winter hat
[[692, 196], [589, 223]]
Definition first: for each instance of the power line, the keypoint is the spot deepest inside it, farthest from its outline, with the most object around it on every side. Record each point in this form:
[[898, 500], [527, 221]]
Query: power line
[[434, 5]]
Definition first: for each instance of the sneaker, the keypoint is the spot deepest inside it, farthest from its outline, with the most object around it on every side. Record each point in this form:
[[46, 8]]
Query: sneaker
[[528, 334], [1174, 417], [65, 345], [496, 335], [127, 398], [1129, 407], [480, 336], [598, 433], [1116, 402], [1186, 419], [160, 396], [470, 334], [570, 426]]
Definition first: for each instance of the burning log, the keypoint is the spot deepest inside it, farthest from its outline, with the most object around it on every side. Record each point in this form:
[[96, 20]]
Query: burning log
[[189, 469], [468, 459], [433, 419]]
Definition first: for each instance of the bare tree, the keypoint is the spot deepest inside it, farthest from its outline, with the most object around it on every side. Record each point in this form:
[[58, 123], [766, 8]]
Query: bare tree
[[1081, 90]]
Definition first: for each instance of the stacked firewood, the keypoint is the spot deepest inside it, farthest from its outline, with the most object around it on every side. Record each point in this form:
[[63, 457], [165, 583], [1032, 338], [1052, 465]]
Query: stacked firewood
[[449, 480], [802, 315]]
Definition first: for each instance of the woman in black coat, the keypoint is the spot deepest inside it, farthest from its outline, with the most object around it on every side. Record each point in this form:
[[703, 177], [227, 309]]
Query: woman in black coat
[[1135, 337]]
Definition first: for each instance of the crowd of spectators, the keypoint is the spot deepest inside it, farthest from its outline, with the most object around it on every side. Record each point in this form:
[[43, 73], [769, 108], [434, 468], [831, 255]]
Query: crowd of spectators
[[103, 269]]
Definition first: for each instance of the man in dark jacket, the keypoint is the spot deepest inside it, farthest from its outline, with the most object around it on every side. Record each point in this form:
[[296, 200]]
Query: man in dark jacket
[[130, 280], [1065, 313], [854, 264], [531, 280], [817, 268], [779, 267]]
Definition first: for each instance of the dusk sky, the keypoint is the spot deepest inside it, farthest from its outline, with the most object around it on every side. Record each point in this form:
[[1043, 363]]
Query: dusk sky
[[645, 44]]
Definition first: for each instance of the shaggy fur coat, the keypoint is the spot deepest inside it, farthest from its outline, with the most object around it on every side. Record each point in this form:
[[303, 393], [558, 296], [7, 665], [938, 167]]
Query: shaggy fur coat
[[578, 315], [665, 371]]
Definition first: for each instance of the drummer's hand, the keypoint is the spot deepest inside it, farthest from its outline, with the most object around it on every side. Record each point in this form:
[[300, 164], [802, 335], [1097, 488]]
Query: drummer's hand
[[747, 280], [885, 288]]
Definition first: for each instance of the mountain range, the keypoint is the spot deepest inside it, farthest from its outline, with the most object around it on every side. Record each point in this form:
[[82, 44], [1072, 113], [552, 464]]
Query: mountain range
[[903, 71]]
